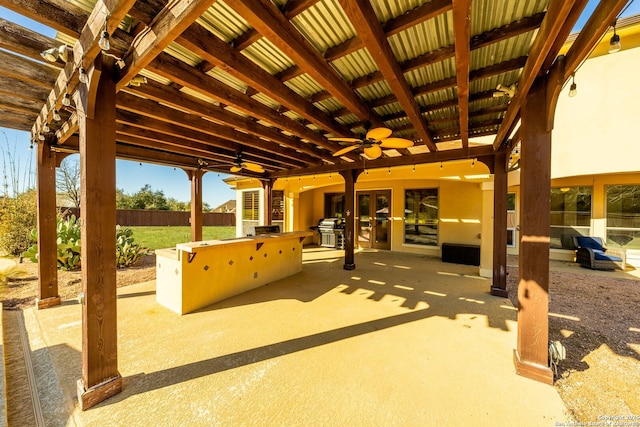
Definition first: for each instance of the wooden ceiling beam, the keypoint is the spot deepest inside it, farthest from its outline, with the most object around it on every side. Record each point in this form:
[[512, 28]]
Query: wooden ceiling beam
[[176, 130], [26, 70], [386, 162], [462, 36], [168, 24], [291, 9], [14, 103], [13, 87], [179, 72], [16, 119], [85, 51], [180, 100], [565, 31], [364, 19], [209, 47], [553, 22], [272, 24], [152, 109], [62, 16], [23, 41]]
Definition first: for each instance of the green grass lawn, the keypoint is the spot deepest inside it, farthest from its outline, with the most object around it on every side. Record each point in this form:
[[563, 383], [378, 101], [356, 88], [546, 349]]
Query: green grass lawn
[[167, 237]]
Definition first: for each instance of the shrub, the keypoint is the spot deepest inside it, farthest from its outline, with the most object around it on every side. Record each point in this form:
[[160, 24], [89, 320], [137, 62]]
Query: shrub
[[68, 241], [18, 216], [127, 252]]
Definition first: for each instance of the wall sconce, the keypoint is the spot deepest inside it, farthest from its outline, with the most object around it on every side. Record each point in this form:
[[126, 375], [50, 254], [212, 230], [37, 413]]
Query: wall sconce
[[55, 53], [614, 42], [573, 89]]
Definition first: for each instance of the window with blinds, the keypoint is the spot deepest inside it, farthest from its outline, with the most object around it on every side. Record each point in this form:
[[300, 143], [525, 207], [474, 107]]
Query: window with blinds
[[251, 205]]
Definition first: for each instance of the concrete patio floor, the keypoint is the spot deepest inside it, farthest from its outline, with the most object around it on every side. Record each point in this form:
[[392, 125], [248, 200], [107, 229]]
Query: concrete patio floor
[[402, 340]]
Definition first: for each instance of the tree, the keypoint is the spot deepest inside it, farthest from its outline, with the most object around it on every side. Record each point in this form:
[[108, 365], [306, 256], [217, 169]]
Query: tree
[[146, 198], [17, 218], [68, 180]]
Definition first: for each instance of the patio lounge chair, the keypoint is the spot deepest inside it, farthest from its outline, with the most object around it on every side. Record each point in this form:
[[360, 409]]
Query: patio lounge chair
[[592, 253]]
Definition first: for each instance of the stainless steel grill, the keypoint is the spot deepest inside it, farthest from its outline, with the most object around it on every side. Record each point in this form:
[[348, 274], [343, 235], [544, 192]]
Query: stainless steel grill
[[331, 232]]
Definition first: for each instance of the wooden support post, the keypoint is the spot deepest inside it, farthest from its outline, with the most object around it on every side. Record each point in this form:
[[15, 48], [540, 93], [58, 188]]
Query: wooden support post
[[499, 286], [47, 232], [350, 178], [96, 107], [195, 176], [267, 185], [531, 355]]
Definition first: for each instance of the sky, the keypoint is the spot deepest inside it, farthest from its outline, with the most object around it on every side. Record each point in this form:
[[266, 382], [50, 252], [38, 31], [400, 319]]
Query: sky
[[131, 176]]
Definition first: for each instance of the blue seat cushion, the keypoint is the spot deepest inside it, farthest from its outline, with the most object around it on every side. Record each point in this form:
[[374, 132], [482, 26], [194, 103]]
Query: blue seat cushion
[[589, 242], [601, 256]]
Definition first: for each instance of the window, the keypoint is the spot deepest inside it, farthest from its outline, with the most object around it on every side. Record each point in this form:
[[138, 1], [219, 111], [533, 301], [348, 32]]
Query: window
[[421, 217], [251, 205], [570, 215], [623, 216], [334, 205], [277, 205], [511, 220]]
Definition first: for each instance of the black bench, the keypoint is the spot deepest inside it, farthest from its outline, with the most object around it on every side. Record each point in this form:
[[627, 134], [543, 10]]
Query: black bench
[[267, 229], [461, 254]]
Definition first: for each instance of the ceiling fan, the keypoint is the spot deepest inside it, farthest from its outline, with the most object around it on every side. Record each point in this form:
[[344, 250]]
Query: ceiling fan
[[372, 143], [239, 165]]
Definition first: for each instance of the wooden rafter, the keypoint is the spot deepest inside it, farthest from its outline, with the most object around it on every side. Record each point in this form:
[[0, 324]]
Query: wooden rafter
[[364, 19], [462, 35], [272, 24], [23, 41], [172, 20], [177, 99], [542, 45], [26, 70]]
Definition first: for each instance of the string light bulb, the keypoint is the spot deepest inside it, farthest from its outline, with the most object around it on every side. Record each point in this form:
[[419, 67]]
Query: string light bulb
[[104, 42], [441, 165], [40, 136], [473, 163], [614, 42], [573, 89], [56, 116], [83, 76], [414, 168], [389, 170], [45, 127], [66, 100]]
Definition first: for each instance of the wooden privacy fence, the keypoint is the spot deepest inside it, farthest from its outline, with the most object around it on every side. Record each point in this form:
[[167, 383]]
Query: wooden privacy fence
[[141, 217]]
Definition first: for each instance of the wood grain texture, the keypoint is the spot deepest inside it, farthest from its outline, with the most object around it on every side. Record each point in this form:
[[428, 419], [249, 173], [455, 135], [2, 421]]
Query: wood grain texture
[[535, 187], [47, 227]]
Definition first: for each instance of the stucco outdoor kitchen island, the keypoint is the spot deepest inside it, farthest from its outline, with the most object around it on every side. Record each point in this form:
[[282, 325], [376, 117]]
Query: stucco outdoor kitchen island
[[197, 274]]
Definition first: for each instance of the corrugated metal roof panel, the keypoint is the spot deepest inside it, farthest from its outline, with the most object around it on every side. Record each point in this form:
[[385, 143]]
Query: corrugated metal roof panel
[[223, 21], [431, 73], [422, 38], [264, 99], [324, 25], [304, 85], [198, 95], [183, 54], [268, 56], [227, 79], [357, 64], [489, 14], [374, 91], [513, 47]]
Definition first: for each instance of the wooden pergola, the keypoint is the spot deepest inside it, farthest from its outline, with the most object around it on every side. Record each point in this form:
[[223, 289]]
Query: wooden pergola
[[194, 84]]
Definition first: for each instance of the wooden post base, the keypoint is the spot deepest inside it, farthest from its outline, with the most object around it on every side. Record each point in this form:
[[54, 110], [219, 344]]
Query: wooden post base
[[533, 371], [48, 302], [499, 292], [98, 393], [349, 266]]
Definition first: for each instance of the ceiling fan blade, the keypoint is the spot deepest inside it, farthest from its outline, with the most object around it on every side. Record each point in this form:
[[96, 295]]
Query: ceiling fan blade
[[374, 151], [379, 133], [253, 167], [235, 169], [345, 150], [345, 139], [396, 143]]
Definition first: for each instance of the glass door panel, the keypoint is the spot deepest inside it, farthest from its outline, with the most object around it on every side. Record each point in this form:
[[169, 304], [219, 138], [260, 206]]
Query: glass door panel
[[364, 220]]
